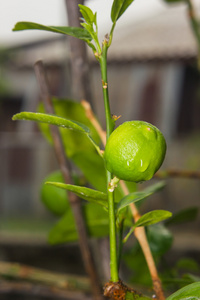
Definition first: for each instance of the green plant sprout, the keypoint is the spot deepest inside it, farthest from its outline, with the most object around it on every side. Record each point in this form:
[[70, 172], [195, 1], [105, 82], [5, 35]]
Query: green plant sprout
[[116, 198]]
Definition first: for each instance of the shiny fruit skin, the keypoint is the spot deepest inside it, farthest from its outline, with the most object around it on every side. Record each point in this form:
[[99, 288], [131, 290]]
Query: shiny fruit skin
[[135, 151]]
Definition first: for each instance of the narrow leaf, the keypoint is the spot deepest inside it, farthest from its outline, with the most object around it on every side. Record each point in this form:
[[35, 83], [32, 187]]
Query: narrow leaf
[[87, 13], [189, 292], [131, 198], [149, 218], [84, 156], [137, 196], [153, 217], [118, 8], [52, 120], [83, 192], [155, 187], [77, 32], [88, 27]]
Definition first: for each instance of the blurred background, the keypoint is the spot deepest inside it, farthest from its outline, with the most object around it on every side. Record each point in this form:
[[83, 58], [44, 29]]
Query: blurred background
[[152, 76]]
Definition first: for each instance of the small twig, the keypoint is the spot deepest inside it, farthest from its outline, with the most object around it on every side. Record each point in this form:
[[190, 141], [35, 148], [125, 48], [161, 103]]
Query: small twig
[[44, 277], [90, 115], [139, 232], [178, 173], [29, 289], [74, 200]]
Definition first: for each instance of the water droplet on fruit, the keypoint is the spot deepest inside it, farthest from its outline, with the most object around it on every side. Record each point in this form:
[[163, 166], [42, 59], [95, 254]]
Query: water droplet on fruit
[[143, 165]]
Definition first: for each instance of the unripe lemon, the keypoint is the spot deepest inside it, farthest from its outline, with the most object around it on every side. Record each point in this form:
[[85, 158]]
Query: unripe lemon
[[135, 151], [54, 199]]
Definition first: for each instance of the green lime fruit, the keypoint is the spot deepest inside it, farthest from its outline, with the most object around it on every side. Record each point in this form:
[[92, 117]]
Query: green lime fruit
[[55, 199], [135, 151]]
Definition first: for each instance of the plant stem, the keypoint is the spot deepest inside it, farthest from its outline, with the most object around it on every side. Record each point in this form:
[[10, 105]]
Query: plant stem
[[103, 65], [109, 128], [120, 243], [112, 232]]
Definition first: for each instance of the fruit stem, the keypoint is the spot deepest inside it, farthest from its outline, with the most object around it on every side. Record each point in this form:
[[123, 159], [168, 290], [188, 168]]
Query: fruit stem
[[109, 128]]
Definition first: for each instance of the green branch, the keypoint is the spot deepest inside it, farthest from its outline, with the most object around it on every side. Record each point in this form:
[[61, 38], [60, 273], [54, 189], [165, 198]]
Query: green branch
[[109, 128], [103, 65]]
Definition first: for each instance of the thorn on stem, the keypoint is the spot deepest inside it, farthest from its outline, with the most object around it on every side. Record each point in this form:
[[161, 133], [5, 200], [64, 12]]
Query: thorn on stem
[[104, 84], [115, 118], [113, 184]]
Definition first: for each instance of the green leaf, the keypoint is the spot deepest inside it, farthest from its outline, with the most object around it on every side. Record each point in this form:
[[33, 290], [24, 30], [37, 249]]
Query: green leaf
[[52, 120], [77, 32], [85, 155], [58, 121], [131, 198], [160, 239], [149, 218], [96, 219], [118, 8], [92, 46], [64, 230], [83, 192], [92, 166], [137, 196], [90, 25], [55, 200], [155, 187], [87, 14], [90, 29], [153, 217], [189, 292], [183, 216]]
